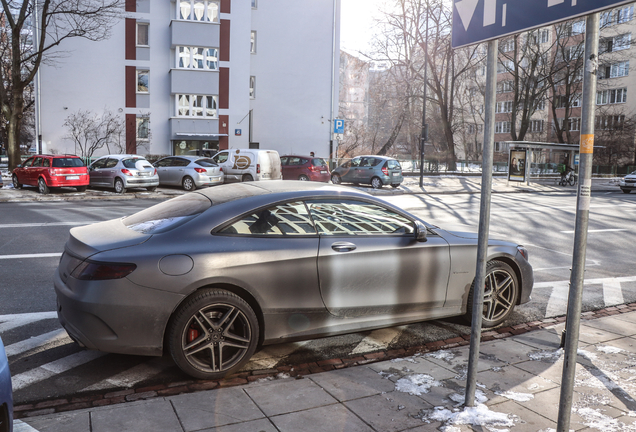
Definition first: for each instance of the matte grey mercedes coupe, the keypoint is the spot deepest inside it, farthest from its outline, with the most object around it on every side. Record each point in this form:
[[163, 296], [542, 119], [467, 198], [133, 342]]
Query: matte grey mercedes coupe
[[211, 275]]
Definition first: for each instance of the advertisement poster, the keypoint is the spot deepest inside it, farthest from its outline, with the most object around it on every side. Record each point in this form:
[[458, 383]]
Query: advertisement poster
[[517, 166]]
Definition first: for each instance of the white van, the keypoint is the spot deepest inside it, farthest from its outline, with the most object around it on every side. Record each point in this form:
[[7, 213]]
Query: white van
[[241, 165]]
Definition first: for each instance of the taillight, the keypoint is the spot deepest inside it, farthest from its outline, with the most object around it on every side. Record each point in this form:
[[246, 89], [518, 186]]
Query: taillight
[[385, 171], [90, 270], [201, 170], [258, 168], [155, 173], [126, 172], [221, 169]]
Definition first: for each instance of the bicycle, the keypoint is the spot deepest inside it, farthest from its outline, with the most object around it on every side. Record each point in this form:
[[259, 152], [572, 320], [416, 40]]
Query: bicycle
[[568, 179]]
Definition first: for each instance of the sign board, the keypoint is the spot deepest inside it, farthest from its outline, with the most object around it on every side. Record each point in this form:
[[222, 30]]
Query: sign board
[[338, 126], [517, 166], [481, 20], [237, 132]]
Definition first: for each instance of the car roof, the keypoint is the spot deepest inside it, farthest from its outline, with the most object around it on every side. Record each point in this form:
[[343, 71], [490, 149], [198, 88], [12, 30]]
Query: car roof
[[301, 156], [56, 155], [122, 156], [377, 156]]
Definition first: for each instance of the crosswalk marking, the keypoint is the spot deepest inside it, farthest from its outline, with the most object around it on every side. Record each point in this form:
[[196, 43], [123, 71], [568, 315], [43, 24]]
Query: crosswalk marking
[[558, 301], [35, 341], [131, 376], [40, 255], [9, 322], [269, 356], [612, 292], [378, 340]]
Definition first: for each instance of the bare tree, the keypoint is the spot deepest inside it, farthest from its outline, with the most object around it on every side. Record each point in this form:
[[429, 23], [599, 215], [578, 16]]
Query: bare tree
[[33, 29], [91, 132]]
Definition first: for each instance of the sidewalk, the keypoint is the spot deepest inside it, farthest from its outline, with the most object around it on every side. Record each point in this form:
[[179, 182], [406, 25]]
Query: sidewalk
[[518, 380], [431, 185]]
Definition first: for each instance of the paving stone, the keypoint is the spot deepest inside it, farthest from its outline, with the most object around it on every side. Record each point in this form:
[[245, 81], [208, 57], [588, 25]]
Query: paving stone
[[291, 395], [514, 381], [352, 383], [525, 420], [68, 422], [629, 317], [545, 339], [415, 364], [147, 416], [506, 350], [592, 335], [457, 360], [613, 325], [323, 419], [260, 425], [390, 412], [214, 408]]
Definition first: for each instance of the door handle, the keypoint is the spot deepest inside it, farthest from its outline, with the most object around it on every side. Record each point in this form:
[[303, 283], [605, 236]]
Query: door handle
[[343, 247]]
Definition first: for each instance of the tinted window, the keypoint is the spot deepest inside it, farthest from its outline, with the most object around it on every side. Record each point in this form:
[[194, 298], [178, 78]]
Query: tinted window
[[283, 160], [179, 162], [99, 163], [206, 163], [28, 162], [168, 215], [38, 162], [318, 162], [111, 163], [393, 164], [46, 163], [67, 162], [164, 162], [355, 162], [284, 219], [335, 217], [130, 163]]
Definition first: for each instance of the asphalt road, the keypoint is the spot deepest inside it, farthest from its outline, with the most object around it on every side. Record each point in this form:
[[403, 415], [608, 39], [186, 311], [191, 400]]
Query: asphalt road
[[46, 364]]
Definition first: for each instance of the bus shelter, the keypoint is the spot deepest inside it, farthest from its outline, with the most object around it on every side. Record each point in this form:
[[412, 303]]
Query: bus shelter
[[523, 154]]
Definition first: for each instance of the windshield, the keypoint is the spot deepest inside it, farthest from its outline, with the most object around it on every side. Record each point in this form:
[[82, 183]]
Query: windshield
[[168, 215]]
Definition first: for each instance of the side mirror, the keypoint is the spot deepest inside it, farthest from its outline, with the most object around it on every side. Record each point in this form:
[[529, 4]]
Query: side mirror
[[19, 166], [420, 231]]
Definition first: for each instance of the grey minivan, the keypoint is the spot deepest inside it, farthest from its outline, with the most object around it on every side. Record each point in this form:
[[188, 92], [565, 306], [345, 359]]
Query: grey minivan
[[123, 171], [374, 170]]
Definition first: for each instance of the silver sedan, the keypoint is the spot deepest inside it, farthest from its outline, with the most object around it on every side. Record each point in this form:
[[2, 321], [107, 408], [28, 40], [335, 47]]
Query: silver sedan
[[216, 273], [189, 172]]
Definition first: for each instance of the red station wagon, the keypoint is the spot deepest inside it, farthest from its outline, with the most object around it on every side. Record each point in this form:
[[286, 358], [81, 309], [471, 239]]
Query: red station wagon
[[305, 168], [51, 171]]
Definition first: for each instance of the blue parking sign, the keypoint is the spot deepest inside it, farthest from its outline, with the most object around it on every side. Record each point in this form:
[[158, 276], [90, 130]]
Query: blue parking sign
[[338, 126]]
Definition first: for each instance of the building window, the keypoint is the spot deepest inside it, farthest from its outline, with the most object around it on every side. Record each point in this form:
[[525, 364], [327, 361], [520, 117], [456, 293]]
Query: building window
[[197, 58], [614, 70], [609, 122], [198, 10], [475, 128], [505, 66], [252, 87], [143, 128], [613, 96], [624, 14], [536, 126], [254, 4], [507, 45], [196, 106], [615, 43], [505, 86], [142, 34], [502, 127], [540, 105], [504, 107], [142, 81], [501, 146], [253, 42], [574, 124]]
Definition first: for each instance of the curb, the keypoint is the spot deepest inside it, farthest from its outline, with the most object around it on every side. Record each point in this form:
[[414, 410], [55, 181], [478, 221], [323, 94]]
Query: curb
[[114, 397]]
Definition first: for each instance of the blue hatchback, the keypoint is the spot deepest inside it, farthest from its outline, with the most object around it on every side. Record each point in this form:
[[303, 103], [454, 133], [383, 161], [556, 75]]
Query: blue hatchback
[[6, 398], [374, 170]]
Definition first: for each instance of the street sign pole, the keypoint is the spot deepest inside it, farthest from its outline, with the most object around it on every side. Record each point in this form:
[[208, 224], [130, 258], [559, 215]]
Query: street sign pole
[[575, 297], [484, 221], [424, 135]]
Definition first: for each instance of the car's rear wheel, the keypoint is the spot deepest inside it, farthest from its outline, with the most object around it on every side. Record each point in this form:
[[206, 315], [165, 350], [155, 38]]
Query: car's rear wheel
[[188, 184], [394, 186], [624, 190], [500, 294], [119, 186], [151, 188], [376, 183], [212, 334], [16, 182], [247, 177], [335, 179], [303, 178], [42, 187], [81, 188]]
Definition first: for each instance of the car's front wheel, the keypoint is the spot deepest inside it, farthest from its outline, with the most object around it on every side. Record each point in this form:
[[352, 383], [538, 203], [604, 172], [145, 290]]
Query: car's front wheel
[[119, 186], [500, 294], [42, 187], [335, 179], [624, 190], [188, 184], [212, 334], [303, 178], [16, 182]]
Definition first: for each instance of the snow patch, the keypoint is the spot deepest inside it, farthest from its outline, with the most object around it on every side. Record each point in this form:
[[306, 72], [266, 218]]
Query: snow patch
[[478, 415], [546, 355], [519, 397], [441, 355], [608, 349], [480, 397], [417, 384], [594, 418]]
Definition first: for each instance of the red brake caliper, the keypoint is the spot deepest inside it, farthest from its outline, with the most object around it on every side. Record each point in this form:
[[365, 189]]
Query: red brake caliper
[[192, 334]]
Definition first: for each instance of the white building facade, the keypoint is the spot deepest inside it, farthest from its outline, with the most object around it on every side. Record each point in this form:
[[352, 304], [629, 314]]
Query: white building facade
[[198, 76]]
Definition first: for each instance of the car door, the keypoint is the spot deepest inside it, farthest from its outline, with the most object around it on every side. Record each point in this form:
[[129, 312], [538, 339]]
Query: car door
[[96, 173], [163, 170], [349, 175], [369, 262], [23, 171], [33, 172], [364, 172]]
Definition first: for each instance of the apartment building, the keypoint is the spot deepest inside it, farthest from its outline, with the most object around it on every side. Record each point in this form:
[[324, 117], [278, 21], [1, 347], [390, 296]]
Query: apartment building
[[196, 76]]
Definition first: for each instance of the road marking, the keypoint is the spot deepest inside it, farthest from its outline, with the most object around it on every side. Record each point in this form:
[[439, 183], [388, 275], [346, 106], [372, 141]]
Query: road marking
[[9, 322], [599, 230], [612, 292], [378, 340], [132, 376], [20, 426], [269, 357], [35, 342], [53, 368], [23, 256], [43, 224], [558, 302]]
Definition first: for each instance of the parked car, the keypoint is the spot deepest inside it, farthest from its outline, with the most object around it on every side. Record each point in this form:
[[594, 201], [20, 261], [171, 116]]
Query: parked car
[[6, 398], [242, 165], [374, 170], [628, 183], [304, 168], [219, 271], [51, 171], [189, 172], [123, 171]]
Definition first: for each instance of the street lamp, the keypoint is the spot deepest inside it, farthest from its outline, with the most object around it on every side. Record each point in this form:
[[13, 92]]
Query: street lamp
[[424, 134]]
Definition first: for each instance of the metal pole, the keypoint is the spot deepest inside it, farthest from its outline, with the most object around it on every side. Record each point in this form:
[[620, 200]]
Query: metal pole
[[573, 320], [484, 221], [424, 135]]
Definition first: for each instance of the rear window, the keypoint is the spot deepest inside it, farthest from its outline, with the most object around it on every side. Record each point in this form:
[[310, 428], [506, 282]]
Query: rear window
[[206, 162], [318, 162], [168, 215], [130, 163], [67, 162], [393, 164]]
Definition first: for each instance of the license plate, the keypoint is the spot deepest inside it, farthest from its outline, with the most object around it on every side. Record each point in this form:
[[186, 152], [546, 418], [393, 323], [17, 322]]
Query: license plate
[[265, 175], [396, 174], [72, 177], [323, 171], [144, 174]]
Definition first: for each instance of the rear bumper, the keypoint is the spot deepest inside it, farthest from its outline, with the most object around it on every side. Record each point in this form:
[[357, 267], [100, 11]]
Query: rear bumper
[[320, 177], [203, 180], [388, 180], [63, 181], [114, 316], [141, 182]]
